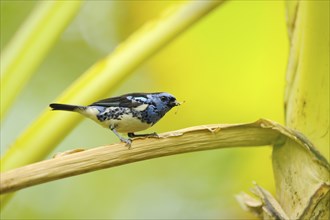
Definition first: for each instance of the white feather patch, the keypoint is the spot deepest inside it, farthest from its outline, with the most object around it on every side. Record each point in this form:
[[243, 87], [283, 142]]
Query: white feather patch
[[141, 107], [126, 124], [90, 112], [129, 124]]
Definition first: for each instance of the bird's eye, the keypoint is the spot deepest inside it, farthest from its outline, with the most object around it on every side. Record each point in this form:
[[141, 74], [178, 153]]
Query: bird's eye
[[163, 98]]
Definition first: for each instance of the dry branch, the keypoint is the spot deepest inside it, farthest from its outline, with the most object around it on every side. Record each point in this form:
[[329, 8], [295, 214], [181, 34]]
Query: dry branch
[[260, 133]]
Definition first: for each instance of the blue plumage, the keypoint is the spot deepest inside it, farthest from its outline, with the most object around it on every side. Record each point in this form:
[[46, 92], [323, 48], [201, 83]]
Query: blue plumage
[[127, 113]]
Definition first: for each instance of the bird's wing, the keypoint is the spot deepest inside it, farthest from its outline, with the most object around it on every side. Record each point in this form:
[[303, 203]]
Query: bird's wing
[[120, 101]]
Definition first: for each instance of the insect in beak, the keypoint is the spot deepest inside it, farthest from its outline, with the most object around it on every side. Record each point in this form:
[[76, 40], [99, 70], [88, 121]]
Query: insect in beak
[[178, 104]]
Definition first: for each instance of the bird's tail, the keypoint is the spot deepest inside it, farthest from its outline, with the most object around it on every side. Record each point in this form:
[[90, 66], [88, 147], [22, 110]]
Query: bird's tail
[[64, 107]]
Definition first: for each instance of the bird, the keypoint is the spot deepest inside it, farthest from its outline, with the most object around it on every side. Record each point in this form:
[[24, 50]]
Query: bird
[[127, 113]]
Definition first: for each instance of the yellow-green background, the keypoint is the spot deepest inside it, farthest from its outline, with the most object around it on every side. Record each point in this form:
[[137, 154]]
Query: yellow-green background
[[228, 68]]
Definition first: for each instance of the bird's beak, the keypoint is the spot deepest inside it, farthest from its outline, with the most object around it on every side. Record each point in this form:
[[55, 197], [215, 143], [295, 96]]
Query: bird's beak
[[176, 103]]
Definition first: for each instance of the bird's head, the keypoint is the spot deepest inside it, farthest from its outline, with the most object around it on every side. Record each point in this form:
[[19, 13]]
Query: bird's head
[[164, 101]]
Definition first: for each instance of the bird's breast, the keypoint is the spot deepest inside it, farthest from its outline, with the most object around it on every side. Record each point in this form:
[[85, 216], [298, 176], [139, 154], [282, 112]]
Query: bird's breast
[[128, 123], [124, 120]]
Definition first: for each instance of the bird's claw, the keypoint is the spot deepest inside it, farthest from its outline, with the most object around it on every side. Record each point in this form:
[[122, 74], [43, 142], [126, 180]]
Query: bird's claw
[[132, 135], [154, 135], [127, 141]]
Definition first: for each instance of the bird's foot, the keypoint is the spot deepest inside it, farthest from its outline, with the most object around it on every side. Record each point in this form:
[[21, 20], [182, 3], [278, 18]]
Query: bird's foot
[[132, 135], [128, 142]]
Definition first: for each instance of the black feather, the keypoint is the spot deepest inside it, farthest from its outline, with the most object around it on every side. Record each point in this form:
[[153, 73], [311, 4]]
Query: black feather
[[56, 106], [121, 101]]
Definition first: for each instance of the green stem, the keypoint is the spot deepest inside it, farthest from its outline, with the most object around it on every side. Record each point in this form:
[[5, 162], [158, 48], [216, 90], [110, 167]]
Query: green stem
[[29, 47]]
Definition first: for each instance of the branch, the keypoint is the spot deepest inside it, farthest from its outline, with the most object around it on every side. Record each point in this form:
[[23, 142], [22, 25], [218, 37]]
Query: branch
[[260, 133]]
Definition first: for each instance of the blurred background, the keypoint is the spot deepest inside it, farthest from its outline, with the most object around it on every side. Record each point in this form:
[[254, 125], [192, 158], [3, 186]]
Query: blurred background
[[228, 68]]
